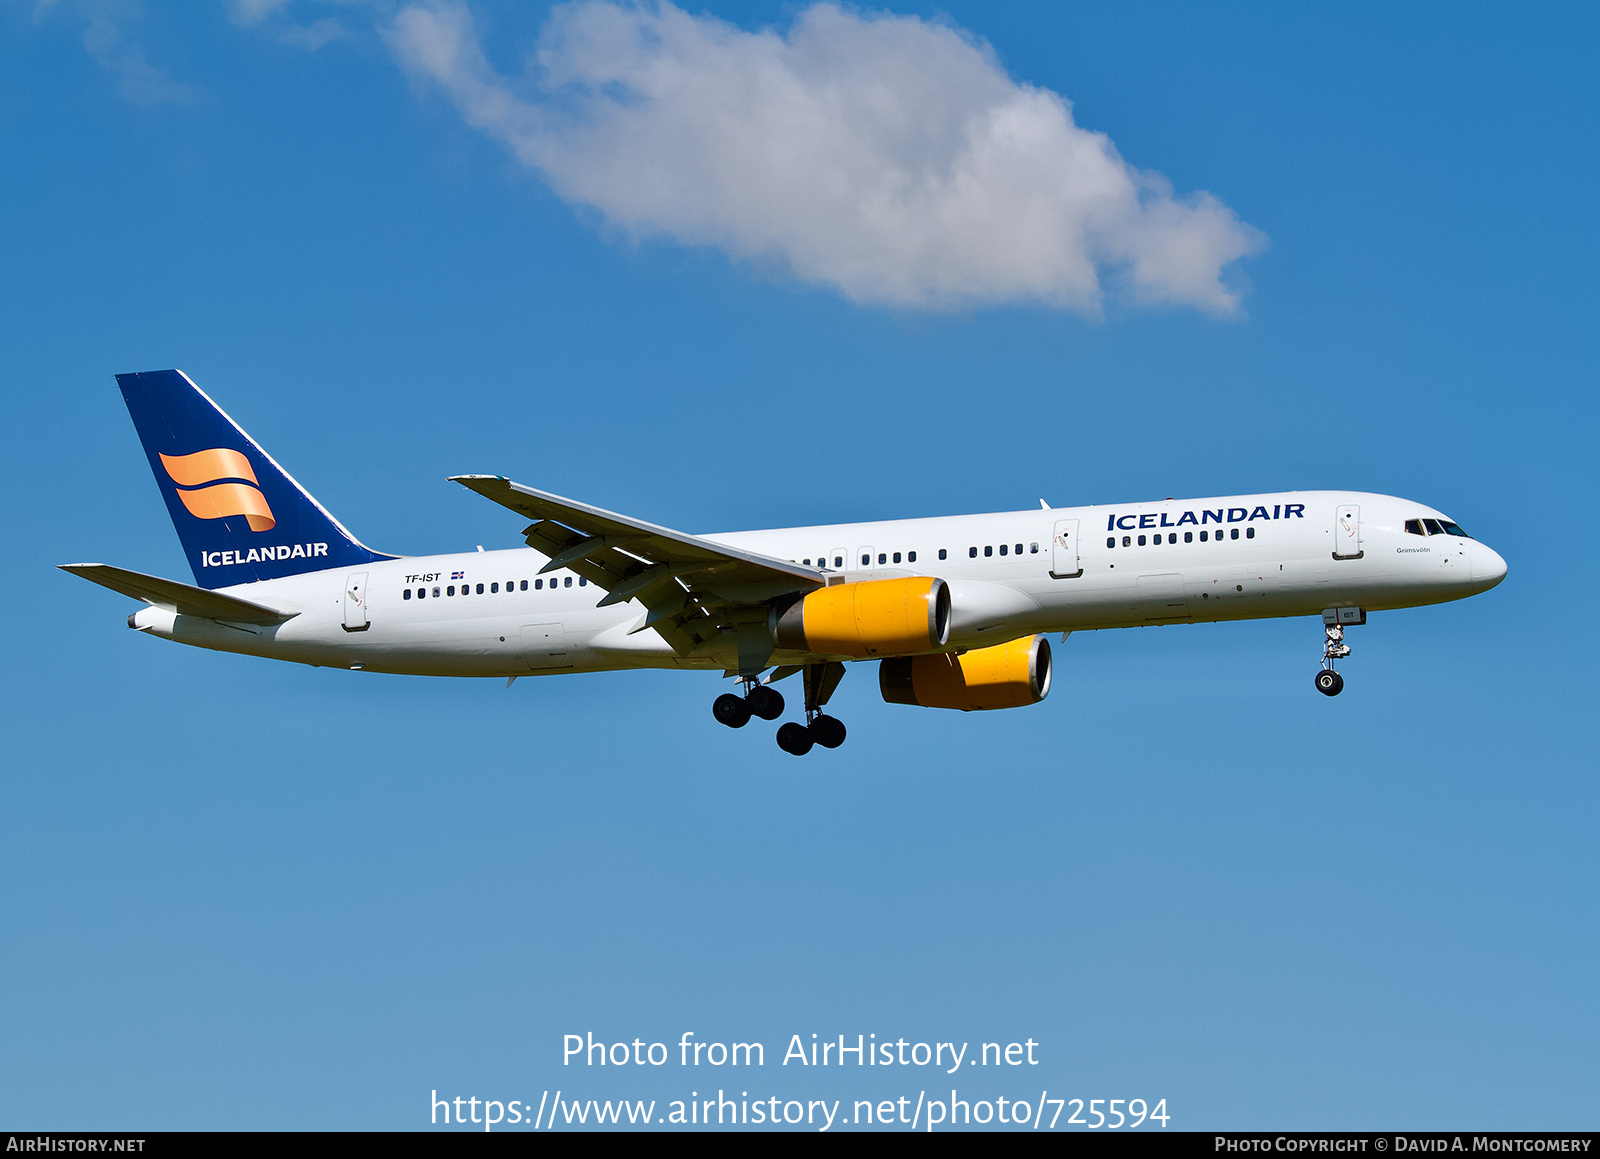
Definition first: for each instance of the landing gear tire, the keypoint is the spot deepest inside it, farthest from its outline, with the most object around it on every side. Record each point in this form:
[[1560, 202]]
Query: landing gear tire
[[795, 739], [731, 710], [1329, 682], [765, 702], [827, 731]]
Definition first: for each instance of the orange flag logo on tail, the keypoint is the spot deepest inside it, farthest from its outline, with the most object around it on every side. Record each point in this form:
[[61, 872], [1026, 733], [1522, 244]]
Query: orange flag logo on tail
[[209, 483]]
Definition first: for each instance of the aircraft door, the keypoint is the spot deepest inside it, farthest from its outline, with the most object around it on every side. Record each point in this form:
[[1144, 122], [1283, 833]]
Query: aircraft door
[[545, 646], [1347, 532], [355, 603], [838, 559], [1064, 561], [1161, 596]]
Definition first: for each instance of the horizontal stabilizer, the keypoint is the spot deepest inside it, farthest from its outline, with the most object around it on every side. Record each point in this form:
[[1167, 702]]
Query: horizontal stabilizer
[[185, 599]]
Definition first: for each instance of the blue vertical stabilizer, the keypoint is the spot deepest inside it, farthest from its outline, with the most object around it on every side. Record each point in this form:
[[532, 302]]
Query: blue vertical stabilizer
[[240, 516]]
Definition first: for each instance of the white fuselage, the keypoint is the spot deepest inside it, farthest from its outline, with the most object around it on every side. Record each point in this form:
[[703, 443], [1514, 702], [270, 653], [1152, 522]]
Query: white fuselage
[[1284, 554]]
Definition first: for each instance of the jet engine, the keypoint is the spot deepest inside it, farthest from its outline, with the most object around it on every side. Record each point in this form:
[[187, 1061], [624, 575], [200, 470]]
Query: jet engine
[[1004, 676], [887, 617]]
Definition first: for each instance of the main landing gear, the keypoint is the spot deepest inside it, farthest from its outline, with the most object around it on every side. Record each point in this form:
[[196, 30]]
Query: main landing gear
[[767, 702], [758, 700], [1329, 682]]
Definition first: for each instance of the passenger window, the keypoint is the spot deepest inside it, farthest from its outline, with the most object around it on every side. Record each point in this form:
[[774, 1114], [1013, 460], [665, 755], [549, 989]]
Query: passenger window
[[1188, 537], [582, 582], [988, 551], [1111, 541], [943, 554], [1002, 549], [1249, 532], [1019, 549], [435, 593], [1414, 527], [1173, 537], [480, 589], [524, 585], [538, 585], [866, 560], [882, 559], [911, 557], [493, 588], [1233, 533], [806, 561], [897, 557], [1141, 541], [972, 553], [1033, 549], [451, 590], [406, 595], [838, 561], [1204, 535], [1127, 540], [1433, 526], [568, 582]]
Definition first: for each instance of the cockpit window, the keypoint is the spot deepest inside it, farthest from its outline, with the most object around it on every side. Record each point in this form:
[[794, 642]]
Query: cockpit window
[[1434, 527]]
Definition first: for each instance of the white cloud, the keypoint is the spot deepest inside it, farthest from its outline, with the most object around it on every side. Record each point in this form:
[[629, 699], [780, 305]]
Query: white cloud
[[886, 156], [273, 15], [137, 79]]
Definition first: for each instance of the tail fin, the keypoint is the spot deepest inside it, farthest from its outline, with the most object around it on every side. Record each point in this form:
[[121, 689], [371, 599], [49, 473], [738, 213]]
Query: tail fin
[[239, 515]]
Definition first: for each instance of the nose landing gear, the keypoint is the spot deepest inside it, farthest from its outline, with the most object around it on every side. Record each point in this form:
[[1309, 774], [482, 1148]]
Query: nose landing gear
[[1329, 682]]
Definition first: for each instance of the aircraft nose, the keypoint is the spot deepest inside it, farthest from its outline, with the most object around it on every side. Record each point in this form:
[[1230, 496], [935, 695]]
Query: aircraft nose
[[1488, 568]]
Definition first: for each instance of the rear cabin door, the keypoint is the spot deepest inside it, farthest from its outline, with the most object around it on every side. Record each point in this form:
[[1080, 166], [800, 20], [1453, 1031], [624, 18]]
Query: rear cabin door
[[355, 603], [1347, 532], [1064, 561]]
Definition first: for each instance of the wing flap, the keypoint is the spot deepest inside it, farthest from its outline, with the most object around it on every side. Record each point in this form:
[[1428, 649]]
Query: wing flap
[[699, 594]]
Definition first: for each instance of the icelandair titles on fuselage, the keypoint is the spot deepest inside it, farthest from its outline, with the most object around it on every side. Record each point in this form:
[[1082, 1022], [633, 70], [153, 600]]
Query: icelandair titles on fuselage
[[262, 554], [1116, 522]]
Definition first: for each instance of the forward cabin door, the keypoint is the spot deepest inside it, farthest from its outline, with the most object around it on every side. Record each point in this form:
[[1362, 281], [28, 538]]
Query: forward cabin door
[[1064, 561], [355, 603], [1347, 532]]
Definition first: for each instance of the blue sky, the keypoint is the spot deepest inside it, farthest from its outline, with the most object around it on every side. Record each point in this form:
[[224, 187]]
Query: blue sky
[[242, 894]]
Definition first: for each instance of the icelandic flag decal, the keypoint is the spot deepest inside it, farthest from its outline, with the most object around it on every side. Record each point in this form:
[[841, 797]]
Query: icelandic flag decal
[[458, 575]]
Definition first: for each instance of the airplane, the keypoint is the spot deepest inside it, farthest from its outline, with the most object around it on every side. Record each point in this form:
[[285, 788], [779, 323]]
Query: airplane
[[954, 610]]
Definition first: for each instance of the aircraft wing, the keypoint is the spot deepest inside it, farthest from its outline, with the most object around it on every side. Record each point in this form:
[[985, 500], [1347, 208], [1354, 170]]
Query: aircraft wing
[[695, 590], [186, 600]]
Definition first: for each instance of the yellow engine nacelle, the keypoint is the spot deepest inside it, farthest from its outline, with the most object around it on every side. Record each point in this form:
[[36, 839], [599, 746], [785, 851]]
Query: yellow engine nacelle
[[888, 617], [1004, 676]]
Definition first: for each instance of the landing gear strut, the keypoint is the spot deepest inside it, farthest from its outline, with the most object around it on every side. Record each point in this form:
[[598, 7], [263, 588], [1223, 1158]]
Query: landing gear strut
[[819, 728], [1329, 682], [765, 701]]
